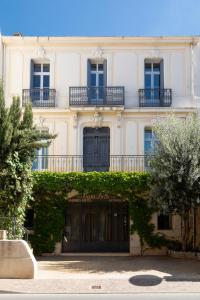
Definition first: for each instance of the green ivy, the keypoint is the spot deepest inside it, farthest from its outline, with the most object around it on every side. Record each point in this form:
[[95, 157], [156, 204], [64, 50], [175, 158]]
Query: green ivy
[[52, 190]]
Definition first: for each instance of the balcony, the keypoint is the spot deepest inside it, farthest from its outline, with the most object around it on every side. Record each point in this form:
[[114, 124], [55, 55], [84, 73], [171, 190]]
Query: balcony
[[96, 96], [39, 97], [155, 97], [79, 163]]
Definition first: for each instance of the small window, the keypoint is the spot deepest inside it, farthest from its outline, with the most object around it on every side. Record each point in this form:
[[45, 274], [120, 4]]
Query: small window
[[164, 221]]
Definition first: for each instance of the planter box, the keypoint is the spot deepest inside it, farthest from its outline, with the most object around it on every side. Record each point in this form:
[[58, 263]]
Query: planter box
[[182, 254]]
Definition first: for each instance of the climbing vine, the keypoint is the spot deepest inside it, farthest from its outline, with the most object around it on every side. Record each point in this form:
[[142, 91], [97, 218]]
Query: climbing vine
[[52, 190]]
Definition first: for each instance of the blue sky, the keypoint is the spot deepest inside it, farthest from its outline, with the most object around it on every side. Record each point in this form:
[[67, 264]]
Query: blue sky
[[100, 17]]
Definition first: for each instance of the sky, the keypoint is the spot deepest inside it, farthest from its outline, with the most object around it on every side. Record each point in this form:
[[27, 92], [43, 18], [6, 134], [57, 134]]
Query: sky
[[100, 17]]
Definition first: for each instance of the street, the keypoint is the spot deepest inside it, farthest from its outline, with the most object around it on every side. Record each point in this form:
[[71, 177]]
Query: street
[[146, 296]]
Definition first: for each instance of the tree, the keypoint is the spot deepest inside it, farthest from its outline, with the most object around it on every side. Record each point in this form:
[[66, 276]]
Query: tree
[[19, 139], [175, 168]]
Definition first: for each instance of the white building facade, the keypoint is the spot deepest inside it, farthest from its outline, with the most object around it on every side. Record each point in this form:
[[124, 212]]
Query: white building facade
[[101, 96]]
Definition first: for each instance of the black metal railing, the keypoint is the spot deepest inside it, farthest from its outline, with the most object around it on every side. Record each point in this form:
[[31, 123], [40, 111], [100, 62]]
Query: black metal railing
[[39, 97], [80, 163], [96, 96], [155, 97]]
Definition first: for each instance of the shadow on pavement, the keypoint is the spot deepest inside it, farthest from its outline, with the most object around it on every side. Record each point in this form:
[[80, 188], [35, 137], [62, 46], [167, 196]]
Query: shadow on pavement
[[145, 280]]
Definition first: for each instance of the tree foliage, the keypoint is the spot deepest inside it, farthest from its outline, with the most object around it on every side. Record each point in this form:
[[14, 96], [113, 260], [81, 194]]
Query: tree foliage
[[175, 167], [19, 139]]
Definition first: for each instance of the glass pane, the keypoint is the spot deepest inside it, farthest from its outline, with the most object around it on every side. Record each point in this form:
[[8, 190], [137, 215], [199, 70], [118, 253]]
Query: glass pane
[[148, 134], [101, 80], [46, 67], [156, 81], [147, 80], [93, 80], [147, 147], [37, 68], [93, 67], [100, 67], [36, 81], [44, 150], [156, 67], [46, 81], [147, 67]]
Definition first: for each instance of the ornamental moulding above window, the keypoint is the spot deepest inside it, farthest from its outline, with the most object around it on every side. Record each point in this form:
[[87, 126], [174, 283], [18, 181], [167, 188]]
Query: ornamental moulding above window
[[97, 53]]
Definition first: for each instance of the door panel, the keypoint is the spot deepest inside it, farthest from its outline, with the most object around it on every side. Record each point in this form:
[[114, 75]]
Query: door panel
[[96, 149], [96, 227]]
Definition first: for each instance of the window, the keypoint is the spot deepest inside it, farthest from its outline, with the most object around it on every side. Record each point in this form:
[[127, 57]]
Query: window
[[150, 141], [41, 159], [153, 79], [164, 221], [40, 81], [96, 80]]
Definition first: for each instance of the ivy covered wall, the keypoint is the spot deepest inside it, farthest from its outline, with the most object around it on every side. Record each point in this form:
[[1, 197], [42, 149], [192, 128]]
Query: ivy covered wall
[[52, 190]]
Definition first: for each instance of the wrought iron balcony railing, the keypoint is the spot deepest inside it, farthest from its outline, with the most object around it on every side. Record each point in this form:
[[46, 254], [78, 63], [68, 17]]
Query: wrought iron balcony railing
[[39, 97], [96, 96], [155, 97], [80, 163]]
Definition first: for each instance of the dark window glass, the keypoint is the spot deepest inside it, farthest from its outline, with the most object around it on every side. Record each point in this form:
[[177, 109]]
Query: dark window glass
[[93, 79], [46, 67], [100, 79], [156, 81], [147, 67], [93, 67], [100, 67], [37, 67], [164, 221], [147, 81], [46, 81], [36, 81], [156, 67]]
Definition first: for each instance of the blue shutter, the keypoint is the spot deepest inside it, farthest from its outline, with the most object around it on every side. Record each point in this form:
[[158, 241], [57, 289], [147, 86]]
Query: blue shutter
[[89, 80], [105, 72], [162, 74], [162, 82], [31, 73]]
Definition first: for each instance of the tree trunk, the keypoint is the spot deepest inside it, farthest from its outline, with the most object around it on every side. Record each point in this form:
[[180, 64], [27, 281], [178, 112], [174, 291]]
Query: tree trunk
[[185, 229]]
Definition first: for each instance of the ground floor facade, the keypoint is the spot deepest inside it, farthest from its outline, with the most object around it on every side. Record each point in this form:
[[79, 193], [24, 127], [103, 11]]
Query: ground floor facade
[[102, 225]]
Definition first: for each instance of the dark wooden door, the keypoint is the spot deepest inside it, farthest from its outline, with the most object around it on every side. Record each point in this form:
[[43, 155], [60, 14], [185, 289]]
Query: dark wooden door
[[96, 149], [97, 227]]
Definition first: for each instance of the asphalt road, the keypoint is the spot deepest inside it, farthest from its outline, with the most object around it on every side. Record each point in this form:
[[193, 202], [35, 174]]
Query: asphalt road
[[147, 296]]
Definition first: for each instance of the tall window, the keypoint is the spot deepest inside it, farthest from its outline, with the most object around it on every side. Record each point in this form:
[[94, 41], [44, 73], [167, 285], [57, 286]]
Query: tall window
[[150, 141], [153, 80], [96, 80], [40, 81], [41, 159], [41, 75]]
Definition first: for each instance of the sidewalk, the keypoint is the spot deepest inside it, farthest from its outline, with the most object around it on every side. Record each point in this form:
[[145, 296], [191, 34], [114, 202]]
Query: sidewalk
[[109, 275]]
